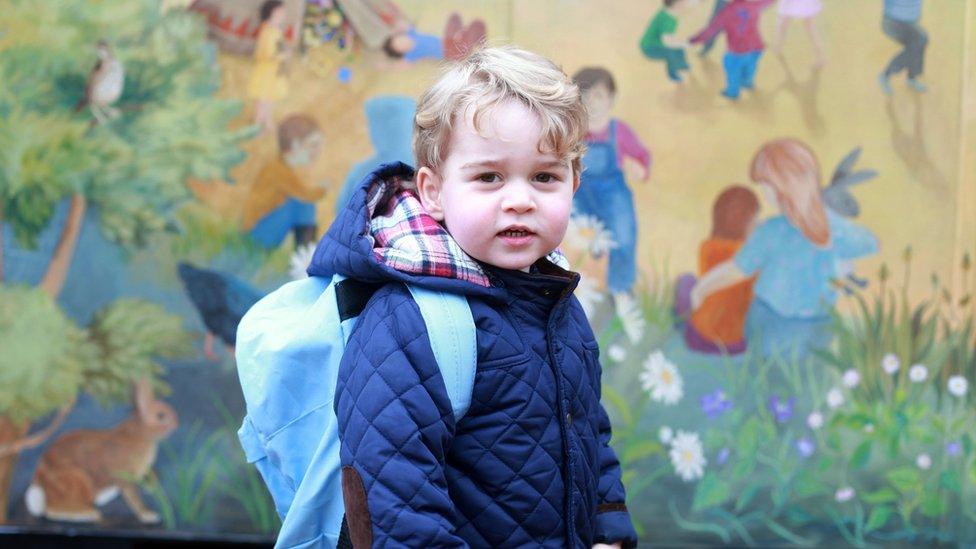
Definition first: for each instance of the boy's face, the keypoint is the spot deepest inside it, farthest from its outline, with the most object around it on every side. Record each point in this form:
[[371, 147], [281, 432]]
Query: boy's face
[[504, 202]]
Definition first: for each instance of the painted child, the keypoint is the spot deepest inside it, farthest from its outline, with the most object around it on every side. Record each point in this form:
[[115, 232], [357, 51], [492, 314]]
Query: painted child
[[740, 22], [901, 24], [604, 192], [807, 12], [266, 84], [794, 253], [718, 325], [280, 201], [498, 140], [411, 45], [660, 41]]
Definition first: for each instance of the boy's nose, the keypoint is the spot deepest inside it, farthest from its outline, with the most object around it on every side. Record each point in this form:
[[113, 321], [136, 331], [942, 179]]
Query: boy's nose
[[518, 197]]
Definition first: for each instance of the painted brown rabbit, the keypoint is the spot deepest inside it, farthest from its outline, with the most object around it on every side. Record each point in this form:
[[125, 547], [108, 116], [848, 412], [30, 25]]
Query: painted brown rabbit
[[88, 468]]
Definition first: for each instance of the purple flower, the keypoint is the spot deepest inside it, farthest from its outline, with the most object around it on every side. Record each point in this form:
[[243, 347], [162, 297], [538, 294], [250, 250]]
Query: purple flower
[[953, 448], [715, 403], [806, 447], [782, 410], [722, 457]]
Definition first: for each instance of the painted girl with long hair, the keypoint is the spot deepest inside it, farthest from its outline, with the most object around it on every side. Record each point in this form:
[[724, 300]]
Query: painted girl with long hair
[[794, 254]]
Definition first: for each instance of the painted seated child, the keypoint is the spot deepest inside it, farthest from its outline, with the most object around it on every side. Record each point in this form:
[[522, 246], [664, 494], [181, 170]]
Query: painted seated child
[[660, 41], [280, 201], [740, 22], [718, 326], [498, 141]]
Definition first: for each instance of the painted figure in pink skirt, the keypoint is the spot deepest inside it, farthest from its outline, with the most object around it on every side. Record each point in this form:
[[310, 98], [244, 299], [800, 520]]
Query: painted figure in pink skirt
[[807, 12]]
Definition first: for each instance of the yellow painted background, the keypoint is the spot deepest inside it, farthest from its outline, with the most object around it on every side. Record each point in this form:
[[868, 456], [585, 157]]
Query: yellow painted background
[[922, 144]]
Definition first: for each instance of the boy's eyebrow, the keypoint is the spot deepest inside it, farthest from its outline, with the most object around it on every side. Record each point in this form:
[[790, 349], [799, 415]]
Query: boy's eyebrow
[[492, 163]]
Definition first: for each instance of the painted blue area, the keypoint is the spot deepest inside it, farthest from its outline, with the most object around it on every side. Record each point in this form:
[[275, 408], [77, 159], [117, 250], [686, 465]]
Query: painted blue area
[[390, 121]]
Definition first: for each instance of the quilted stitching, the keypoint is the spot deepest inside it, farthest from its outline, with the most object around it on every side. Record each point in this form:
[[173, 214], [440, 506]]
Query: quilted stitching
[[513, 471]]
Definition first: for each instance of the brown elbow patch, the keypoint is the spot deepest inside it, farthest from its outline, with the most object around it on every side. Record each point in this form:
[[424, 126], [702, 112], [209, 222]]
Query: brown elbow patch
[[608, 507], [357, 512]]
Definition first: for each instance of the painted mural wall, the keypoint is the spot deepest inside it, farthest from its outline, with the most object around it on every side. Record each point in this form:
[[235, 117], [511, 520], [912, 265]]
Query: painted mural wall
[[776, 229]]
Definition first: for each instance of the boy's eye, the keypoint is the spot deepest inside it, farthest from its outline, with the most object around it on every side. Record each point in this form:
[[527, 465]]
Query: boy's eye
[[488, 177], [545, 178]]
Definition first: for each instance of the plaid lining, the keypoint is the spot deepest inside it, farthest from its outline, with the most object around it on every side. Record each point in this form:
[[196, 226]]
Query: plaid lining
[[406, 238]]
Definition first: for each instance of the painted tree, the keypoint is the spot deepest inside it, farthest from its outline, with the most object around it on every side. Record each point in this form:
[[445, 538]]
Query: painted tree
[[130, 170]]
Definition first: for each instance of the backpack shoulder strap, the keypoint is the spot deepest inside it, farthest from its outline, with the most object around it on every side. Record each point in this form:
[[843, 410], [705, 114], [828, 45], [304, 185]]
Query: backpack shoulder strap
[[451, 330]]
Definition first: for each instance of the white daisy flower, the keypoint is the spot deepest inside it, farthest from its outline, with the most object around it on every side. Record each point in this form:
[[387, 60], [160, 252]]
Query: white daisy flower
[[617, 353], [851, 378], [687, 456], [890, 363], [665, 434], [300, 260], [844, 494], [958, 386], [662, 379], [815, 420], [630, 315], [924, 461], [835, 398], [586, 232], [918, 373], [588, 294]]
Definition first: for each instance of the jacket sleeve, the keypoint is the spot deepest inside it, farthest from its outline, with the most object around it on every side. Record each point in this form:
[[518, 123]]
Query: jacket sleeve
[[395, 425], [613, 523]]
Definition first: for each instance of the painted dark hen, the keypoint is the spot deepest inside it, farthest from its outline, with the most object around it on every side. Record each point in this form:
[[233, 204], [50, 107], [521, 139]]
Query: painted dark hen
[[221, 300]]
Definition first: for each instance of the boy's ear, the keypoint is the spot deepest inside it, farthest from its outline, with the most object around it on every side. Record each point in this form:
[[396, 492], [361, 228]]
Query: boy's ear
[[429, 189], [576, 181]]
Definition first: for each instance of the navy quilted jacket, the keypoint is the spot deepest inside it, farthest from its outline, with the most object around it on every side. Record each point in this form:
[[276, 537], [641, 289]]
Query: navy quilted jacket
[[529, 465]]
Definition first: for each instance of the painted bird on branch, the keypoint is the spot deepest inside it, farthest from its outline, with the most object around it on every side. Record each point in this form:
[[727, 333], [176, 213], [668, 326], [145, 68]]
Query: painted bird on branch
[[105, 84]]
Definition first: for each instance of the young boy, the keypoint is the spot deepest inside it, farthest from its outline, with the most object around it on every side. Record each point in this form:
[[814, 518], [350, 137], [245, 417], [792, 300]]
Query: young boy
[[279, 200], [498, 141], [740, 21]]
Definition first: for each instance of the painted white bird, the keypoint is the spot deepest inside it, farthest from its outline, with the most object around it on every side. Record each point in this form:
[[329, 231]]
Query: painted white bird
[[105, 84]]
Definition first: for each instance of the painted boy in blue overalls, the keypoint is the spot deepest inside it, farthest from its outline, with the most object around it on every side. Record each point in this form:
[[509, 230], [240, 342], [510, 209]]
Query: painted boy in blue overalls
[[603, 192]]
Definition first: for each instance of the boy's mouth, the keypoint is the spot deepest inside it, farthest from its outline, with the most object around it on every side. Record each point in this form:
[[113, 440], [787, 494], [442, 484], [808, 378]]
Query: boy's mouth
[[516, 232], [517, 236]]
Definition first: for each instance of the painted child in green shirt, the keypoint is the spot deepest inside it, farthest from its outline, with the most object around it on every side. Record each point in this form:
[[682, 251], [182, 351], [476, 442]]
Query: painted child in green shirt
[[660, 41]]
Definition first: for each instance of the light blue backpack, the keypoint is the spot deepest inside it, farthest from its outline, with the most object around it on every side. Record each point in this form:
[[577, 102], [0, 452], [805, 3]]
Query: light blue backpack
[[288, 350]]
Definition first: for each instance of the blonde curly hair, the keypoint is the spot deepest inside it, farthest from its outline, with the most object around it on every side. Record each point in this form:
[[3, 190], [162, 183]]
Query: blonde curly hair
[[493, 75]]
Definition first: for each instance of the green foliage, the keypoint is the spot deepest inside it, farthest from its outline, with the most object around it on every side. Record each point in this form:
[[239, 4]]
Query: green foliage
[[889, 456], [243, 484], [42, 160], [49, 359], [130, 335], [185, 496], [45, 355], [133, 167]]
